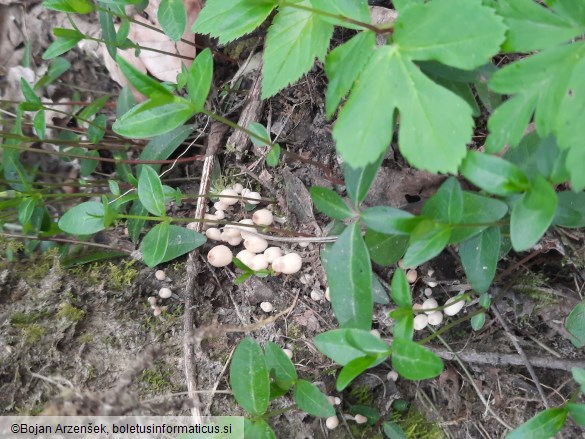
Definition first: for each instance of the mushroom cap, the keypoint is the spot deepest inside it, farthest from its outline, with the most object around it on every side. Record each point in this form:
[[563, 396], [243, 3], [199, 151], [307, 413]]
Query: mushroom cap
[[435, 318], [263, 217], [420, 322], [220, 256], [288, 264], [457, 305], [429, 304], [272, 253], [227, 197], [255, 244], [165, 293]]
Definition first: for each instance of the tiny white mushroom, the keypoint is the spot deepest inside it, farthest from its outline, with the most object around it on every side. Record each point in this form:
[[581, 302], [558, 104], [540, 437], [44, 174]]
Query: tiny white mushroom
[[238, 188], [245, 192], [220, 214], [219, 256], [328, 295], [432, 283], [316, 296], [288, 264], [266, 306], [226, 195], [304, 244], [156, 311], [375, 333], [420, 322], [457, 305], [234, 240], [428, 292], [337, 400], [435, 318], [392, 375], [209, 216], [152, 300], [411, 276], [213, 233], [360, 419], [255, 198], [331, 400], [288, 353], [272, 253], [231, 231], [255, 244], [245, 256], [165, 293], [221, 206], [160, 275], [192, 226], [262, 217], [332, 422], [258, 262], [428, 306]]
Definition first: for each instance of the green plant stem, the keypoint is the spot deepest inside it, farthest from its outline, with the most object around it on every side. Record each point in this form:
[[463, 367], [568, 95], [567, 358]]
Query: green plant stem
[[82, 144], [135, 46], [278, 412], [235, 126]]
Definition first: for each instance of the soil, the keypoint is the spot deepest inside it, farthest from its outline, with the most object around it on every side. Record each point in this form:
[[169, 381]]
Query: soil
[[84, 340]]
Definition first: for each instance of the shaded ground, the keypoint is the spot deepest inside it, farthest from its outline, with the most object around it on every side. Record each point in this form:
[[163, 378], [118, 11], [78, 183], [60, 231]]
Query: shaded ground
[[83, 340]]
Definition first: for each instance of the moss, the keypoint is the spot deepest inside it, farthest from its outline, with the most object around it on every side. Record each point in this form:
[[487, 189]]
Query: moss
[[19, 319], [157, 379], [91, 373], [117, 276], [33, 333], [86, 338], [70, 313], [121, 277], [416, 426], [361, 395]]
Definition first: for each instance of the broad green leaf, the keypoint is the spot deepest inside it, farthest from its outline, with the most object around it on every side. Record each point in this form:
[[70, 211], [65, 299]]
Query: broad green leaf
[[273, 156], [123, 31], [97, 130], [94, 256], [345, 345], [389, 220], [172, 18], [262, 133], [89, 165], [84, 219], [477, 321], [379, 293], [329, 203], [294, 40], [493, 174], [75, 6], [427, 240], [152, 118], [135, 226], [534, 27], [108, 30], [359, 180], [182, 241], [404, 323], [161, 147], [258, 429], [249, 377], [575, 325], [60, 46], [544, 425], [413, 361], [56, 69], [447, 204], [40, 124], [311, 400], [466, 39], [199, 79], [25, 211], [278, 362], [479, 257], [384, 249], [393, 430], [400, 291], [143, 83], [343, 66], [349, 274], [352, 370], [570, 210], [435, 124], [155, 244], [29, 94], [577, 412], [368, 343], [355, 9], [93, 108], [574, 11], [150, 192], [125, 101], [532, 214], [579, 377], [228, 22], [480, 210]]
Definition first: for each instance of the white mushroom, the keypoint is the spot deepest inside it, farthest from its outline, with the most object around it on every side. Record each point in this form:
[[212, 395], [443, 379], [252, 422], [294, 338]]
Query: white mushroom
[[227, 197], [360, 419], [255, 244], [332, 422], [420, 322], [411, 276], [234, 240], [160, 275], [219, 256], [255, 198], [287, 264], [266, 306], [220, 214], [213, 233], [262, 217], [165, 293], [428, 306], [435, 318], [316, 296], [337, 400], [328, 294], [258, 262], [152, 300], [221, 206], [246, 257], [238, 188], [272, 253], [156, 311], [457, 305], [245, 192], [392, 375], [288, 353]]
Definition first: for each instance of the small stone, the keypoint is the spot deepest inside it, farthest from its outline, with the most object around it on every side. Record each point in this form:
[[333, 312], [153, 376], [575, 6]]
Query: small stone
[[316, 296]]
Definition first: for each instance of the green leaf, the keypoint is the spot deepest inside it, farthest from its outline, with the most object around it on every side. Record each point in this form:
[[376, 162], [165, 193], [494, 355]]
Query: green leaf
[[493, 174], [84, 219], [135, 226], [75, 6], [143, 83], [311, 400], [152, 118], [575, 325], [355, 9], [579, 377], [161, 147], [88, 165], [435, 124], [199, 79], [447, 204], [349, 274], [359, 180], [29, 93], [40, 124], [466, 39], [56, 69], [96, 131], [343, 66], [509, 121], [479, 257], [477, 321], [249, 377], [477, 209], [172, 18], [125, 101], [352, 370], [389, 220], [534, 27], [345, 345], [577, 412], [273, 156], [262, 133], [570, 210], [230, 22], [329, 203], [413, 361], [155, 244], [25, 211], [393, 430], [400, 291], [92, 257], [294, 40], [404, 323], [384, 249], [60, 46], [150, 192], [532, 214], [544, 425], [427, 240], [182, 241], [92, 108], [258, 429], [108, 30], [278, 362], [124, 31]]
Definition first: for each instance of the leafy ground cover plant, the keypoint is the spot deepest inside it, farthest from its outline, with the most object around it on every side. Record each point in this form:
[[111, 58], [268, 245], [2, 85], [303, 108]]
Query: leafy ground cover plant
[[422, 85]]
